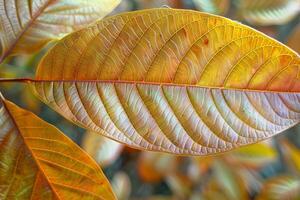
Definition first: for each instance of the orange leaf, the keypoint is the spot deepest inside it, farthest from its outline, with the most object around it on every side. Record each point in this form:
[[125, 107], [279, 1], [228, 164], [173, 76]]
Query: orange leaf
[[39, 162], [172, 80]]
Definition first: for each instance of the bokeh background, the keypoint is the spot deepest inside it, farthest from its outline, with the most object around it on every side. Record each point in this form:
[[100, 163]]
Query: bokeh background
[[267, 170]]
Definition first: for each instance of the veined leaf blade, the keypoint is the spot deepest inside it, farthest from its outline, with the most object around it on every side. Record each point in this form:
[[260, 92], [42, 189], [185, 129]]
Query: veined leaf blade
[[176, 81], [26, 26], [39, 162]]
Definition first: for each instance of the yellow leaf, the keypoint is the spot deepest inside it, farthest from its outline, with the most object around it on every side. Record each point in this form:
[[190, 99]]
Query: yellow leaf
[[39, 162], [255, 155], [218, 7], [280, 188], [26, 26], [170, 80], [268, 12], [104, 150]]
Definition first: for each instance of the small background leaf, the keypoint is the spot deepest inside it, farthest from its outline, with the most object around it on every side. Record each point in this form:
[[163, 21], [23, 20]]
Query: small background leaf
[[219, 7], [104, 150], [281, 188], [268, 12], [256, 155], [121, 185]]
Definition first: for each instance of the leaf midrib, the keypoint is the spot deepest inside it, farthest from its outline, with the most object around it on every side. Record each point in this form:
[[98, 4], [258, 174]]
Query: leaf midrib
[[155, 84]]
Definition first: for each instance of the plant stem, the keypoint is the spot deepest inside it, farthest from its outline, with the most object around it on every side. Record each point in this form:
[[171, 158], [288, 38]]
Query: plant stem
[[23, 80]]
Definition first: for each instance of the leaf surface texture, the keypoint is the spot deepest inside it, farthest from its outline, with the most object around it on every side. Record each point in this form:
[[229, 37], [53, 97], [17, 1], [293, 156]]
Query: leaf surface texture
[[175, 81]]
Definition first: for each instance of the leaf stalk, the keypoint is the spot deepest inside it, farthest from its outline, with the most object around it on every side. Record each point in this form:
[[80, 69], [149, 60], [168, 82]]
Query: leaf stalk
[[22, 80]]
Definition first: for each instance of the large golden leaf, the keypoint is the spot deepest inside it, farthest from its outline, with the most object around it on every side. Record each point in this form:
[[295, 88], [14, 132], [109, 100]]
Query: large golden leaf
[[170, 80], [25, 26], [38, 162], [268, 12]]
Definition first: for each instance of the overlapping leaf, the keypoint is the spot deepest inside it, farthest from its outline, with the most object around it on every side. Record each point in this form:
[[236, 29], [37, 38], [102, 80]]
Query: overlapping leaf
[[38, 162], [171, 80], [268, 12], [28, 25]]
